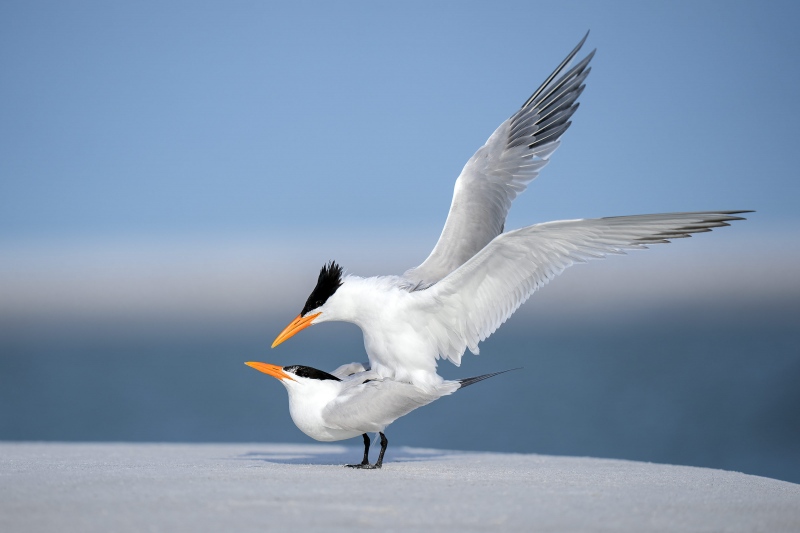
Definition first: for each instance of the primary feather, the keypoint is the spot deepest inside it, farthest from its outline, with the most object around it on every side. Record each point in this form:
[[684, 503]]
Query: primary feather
[[502, 168]]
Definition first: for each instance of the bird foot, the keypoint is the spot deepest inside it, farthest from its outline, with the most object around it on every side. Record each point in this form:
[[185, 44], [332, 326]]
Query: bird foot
[[365, 466]]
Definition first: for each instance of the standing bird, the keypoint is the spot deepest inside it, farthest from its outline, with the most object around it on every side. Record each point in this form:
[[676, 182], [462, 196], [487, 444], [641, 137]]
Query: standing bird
[[337, 406], [477, 276]]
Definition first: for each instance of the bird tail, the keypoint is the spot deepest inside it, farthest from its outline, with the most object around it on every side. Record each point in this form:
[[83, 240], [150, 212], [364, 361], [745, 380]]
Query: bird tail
[[470, 381]]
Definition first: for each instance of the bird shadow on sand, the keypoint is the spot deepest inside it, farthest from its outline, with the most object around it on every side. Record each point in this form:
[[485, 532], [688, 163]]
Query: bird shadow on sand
[[325, 455]]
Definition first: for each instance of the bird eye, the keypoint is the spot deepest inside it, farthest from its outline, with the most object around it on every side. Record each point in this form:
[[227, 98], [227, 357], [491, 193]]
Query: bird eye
[[318, 303]]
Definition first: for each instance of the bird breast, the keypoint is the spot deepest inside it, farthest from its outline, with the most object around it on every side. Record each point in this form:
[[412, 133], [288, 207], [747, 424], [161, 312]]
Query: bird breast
[[306, 407]]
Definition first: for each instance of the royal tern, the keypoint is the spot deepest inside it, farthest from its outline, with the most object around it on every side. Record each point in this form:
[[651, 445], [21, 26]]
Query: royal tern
[[477, 276], [342, 405]]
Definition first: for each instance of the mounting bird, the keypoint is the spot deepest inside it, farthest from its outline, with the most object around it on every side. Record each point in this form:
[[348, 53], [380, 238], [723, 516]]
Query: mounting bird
[[345, 404], [477, 276]]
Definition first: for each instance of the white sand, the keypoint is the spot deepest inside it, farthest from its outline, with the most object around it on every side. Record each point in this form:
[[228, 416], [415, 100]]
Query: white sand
[[257, 487]]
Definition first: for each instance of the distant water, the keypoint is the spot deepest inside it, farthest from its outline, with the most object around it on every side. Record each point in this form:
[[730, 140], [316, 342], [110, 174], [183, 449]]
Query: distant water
[[692, 392]]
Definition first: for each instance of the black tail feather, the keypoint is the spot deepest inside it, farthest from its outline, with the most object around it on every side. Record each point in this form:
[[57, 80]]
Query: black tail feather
[[470, 381]]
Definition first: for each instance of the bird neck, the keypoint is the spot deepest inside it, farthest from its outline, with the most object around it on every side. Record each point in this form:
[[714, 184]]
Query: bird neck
[[359, 298]]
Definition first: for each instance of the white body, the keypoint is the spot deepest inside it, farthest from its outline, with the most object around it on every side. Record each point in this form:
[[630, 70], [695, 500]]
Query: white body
[[329, 410]]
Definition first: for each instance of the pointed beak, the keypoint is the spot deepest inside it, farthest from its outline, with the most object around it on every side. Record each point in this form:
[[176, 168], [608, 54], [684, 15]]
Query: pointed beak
[[298, 324], [273, 370]]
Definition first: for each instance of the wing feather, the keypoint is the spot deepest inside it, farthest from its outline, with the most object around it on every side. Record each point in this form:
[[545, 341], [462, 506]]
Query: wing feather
[[502, 168], [371, 406], [473, 301]]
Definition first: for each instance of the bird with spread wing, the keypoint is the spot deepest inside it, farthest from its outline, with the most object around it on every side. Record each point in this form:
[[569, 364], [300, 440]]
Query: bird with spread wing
[[477, 275]]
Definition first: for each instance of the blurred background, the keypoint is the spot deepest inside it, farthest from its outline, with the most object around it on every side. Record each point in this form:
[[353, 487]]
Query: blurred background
[[173, 175]]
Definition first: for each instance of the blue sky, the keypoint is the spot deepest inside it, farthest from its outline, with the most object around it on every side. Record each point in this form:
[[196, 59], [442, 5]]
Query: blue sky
[[271, 125]]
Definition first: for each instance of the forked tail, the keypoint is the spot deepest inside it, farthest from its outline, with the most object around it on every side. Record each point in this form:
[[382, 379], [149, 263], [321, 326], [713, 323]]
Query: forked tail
[[470, 381]]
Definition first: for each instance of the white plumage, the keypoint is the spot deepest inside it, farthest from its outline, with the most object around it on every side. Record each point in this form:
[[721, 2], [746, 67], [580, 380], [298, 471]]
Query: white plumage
[[477, 276], [344, 404]]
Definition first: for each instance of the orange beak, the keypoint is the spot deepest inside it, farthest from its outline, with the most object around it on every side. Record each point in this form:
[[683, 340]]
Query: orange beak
[[298, 324], [273, 370]]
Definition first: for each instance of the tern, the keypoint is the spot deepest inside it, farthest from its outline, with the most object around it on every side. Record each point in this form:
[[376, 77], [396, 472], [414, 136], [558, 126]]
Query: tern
[[477, 275], [353, 401]]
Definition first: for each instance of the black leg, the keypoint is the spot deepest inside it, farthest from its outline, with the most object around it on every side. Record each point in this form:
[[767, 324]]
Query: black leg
[[365, 461], [384, 444]]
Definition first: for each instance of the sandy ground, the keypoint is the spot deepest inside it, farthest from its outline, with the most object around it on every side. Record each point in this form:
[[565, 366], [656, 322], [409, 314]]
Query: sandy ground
[[257, 487]]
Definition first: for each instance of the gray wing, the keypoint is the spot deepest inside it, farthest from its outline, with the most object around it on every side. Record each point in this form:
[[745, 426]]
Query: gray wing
[[371, 406], [349, 369], [472, 302], [502, 168]]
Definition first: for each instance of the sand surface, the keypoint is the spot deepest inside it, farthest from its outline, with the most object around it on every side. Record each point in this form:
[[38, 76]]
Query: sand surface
[[256, 487]]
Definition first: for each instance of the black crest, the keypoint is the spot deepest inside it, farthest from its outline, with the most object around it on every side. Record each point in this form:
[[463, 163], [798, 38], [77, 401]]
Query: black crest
[[330, 279], [308, 372]]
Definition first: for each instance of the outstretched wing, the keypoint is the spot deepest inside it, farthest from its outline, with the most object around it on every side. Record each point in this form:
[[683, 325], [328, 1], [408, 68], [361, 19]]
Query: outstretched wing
[[501, 169], [472, 302]]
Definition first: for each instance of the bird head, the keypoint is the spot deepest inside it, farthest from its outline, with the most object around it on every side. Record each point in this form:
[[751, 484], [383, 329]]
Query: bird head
[[293, 375], [329, 281]]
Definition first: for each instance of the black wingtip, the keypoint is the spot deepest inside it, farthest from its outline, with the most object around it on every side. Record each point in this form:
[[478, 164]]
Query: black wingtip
[[579, 45], [583, 40], [558, 70]]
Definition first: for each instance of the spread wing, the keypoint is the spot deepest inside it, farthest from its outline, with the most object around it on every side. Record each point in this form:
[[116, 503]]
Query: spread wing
[[472, 302], [502, 168]]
